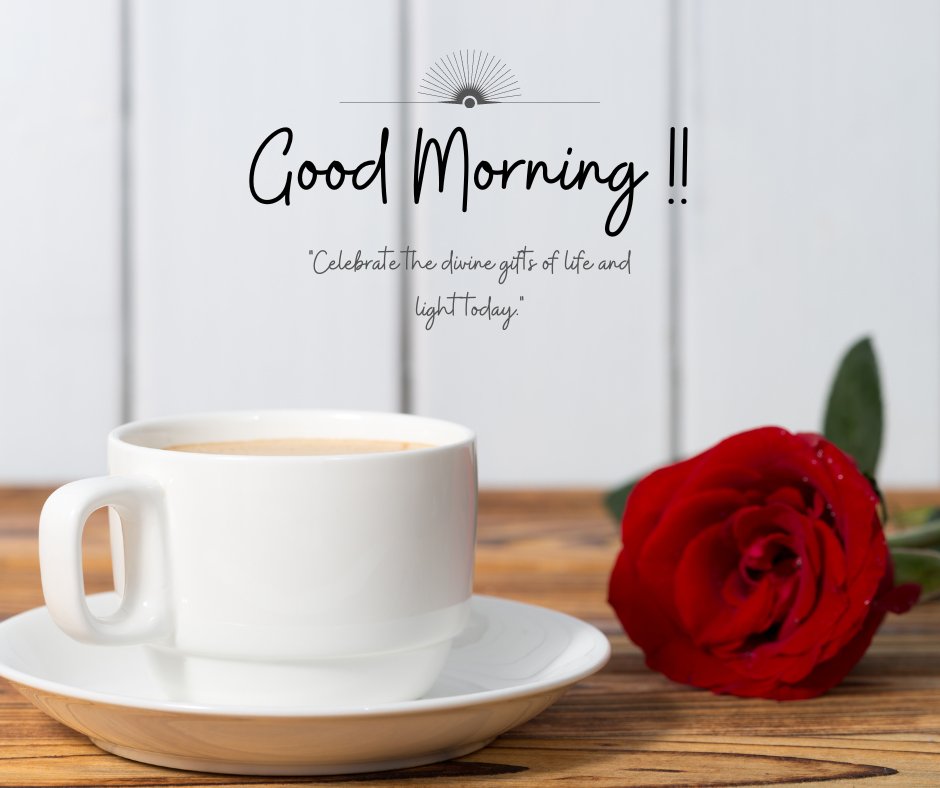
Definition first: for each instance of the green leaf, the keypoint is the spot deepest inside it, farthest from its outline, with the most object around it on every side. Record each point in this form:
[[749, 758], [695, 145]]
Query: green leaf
[[616, 500], [918, 566], [854, 419], [926, 535], [911, 518]]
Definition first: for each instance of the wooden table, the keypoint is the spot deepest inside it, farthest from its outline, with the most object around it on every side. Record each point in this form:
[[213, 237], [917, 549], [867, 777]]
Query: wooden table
[[624, 726]]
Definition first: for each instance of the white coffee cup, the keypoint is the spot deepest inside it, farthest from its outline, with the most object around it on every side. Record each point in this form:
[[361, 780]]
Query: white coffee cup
[[276, 580]]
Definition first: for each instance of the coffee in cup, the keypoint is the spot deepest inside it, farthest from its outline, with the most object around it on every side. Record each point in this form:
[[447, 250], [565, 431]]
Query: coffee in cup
[[288, 447]]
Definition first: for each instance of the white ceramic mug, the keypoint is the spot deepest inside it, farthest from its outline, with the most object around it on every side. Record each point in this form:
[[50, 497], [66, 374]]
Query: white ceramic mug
[[276, 580]]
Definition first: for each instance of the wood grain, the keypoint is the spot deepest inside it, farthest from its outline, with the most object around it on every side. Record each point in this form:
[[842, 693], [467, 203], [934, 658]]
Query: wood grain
[[624, 726]]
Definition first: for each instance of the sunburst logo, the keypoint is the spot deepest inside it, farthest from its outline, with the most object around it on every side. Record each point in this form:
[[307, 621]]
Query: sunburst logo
[[469, 78]]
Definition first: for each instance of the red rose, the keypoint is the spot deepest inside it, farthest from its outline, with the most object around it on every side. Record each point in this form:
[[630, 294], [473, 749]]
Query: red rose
[[758, 568]]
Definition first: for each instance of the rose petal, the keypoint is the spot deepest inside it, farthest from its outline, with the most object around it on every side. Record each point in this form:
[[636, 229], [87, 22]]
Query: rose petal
[[788, 496], [827, 674], [701, 576], [660, 555], [680, 660], [649, 498], [900, 599]]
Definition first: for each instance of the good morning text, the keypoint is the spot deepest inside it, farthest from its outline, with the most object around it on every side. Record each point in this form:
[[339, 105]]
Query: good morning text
[[430, 157]]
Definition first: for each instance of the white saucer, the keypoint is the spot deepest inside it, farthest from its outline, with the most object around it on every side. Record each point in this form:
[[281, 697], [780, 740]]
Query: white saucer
[[511, 662]]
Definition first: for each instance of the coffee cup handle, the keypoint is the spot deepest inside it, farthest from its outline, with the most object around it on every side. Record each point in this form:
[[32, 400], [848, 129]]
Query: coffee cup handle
[[139, 503]]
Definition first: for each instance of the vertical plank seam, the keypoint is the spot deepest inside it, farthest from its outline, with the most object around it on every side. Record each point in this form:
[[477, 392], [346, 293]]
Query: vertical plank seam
[[125, 263], [674, 261], [405, 345]]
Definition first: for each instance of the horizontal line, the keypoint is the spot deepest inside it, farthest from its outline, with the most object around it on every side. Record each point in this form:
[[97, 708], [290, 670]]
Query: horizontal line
[[497, 101]]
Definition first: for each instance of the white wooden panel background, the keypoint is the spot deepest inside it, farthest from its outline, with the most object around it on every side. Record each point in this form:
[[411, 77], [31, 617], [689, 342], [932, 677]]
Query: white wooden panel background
[[575, 391], [815, 161], [812, 218], [60, 237], [229, 312]]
